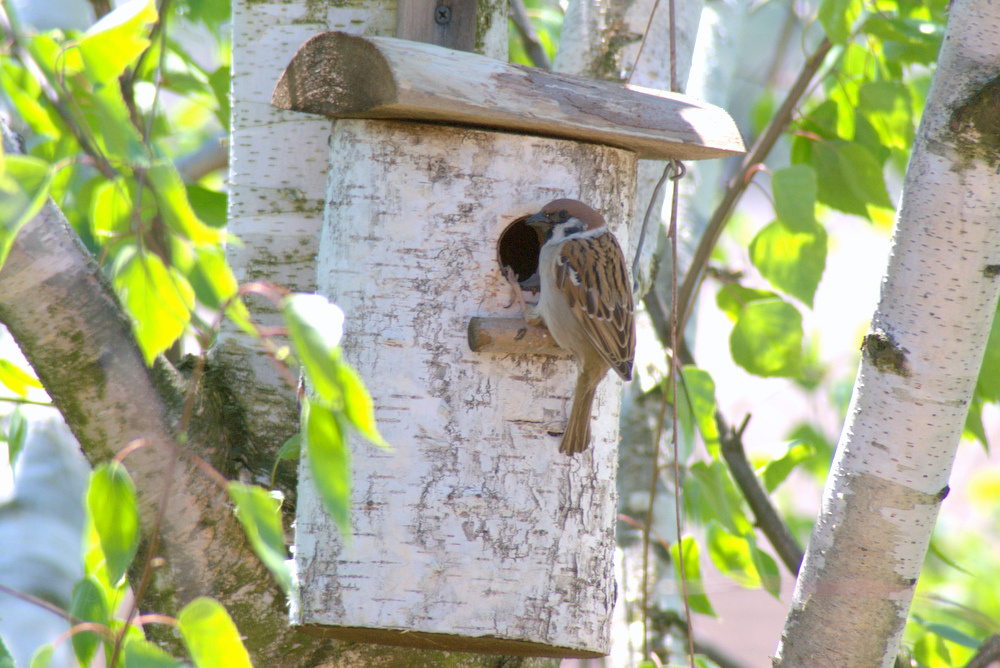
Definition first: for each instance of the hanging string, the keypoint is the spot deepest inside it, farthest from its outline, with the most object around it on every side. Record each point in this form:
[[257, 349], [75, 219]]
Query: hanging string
[[675, 170]]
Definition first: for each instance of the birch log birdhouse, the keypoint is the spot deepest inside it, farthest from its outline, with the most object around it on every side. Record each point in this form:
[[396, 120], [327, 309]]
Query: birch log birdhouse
[[474, 533]]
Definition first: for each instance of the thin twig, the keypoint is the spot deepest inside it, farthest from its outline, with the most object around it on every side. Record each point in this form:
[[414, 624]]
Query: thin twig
[[675, 365], [642, 44], [738, 184], [10, 26], [767, 517], [647, 529], [668, 169], [532, 45]]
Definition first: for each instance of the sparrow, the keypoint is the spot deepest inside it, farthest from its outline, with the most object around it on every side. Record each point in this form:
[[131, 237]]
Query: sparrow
[[586, 303]]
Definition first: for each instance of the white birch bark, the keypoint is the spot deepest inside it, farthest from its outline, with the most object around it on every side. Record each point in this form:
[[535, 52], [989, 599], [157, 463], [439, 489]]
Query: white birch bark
[[277, 180], [475, 525], [917, 374]]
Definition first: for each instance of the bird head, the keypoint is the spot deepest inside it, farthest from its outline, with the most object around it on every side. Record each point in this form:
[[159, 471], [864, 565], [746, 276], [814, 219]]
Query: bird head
[[562, 217]]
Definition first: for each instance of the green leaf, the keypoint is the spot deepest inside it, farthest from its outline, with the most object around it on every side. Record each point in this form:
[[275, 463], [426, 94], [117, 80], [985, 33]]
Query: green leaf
[[932, 650], [699, 390], [111, 505], [24, 91], [88, 604], [55, 55], [821, 121], [290, 449], [710, 496], [767, 568], [696, 596], [988, 385], [792, 260], [42, 658], [315, 327], [159, 299], [212, 278], [732, 297], [105, 111], [24, 186], [777, 470], [140, 653], [358, 405], [852, 178], [111, 209], [213, 13], [112, 43], [172, 196], [329, 461], [220, 81], [17, 379], [767, 338], [935, 549], [211, 636], [260, 514], [794, 191], [209, 205], [887, 105], [974, 428], [953, 634], [906, 40], [731, 554], [6, 660], [17, 435], [837, 18]]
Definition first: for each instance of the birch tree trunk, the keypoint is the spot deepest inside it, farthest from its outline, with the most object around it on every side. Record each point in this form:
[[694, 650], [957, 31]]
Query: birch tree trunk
[[277, 189], [919, 366]]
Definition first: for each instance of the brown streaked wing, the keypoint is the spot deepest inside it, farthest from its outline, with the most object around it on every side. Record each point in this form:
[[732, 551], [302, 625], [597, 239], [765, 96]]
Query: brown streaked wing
[[600, 297]]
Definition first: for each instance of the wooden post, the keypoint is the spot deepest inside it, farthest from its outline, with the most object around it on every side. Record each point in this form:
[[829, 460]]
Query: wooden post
[[448, 23]]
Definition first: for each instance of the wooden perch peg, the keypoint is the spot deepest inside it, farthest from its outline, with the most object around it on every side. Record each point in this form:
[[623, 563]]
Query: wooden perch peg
[[344, 76], [511, 335]]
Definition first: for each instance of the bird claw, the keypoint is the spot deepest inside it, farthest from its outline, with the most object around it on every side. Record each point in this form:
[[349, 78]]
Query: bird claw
[[530, 316]]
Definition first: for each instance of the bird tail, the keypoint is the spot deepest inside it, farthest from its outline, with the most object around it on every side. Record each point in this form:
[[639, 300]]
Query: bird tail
[[577, 434]]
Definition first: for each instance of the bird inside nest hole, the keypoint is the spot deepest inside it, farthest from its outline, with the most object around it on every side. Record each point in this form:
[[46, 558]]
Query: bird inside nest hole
[[518, 248]]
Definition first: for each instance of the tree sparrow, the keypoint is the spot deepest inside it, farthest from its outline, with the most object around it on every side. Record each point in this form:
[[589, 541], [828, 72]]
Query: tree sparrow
[[585, 301]]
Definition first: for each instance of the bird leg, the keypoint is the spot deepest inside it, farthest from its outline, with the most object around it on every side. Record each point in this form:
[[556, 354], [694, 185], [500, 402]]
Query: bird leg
[[531, 315]]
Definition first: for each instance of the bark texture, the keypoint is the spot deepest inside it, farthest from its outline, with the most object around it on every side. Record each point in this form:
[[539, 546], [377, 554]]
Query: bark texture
[[277, 182], [475, 524], [919, 366]]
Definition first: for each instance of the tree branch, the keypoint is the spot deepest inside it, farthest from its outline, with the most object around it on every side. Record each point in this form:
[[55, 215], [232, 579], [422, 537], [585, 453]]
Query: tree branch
[[767, 517], [731, 447], [739, 183], [532, 45], [67, 320]]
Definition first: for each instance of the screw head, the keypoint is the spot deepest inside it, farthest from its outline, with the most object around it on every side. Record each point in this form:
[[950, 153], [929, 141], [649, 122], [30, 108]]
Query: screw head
[[442, 15]]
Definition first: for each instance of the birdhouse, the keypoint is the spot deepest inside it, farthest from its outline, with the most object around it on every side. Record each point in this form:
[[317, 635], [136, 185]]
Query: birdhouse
[[474, 533]]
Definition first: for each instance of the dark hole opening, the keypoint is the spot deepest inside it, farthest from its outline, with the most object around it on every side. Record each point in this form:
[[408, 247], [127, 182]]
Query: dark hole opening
[[518, 249]]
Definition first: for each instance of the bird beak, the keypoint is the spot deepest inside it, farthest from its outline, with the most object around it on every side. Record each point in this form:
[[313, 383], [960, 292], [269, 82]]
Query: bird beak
[[540, 221]]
